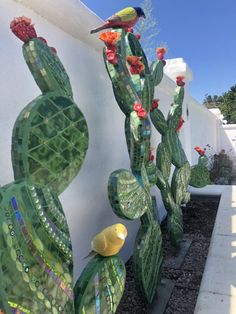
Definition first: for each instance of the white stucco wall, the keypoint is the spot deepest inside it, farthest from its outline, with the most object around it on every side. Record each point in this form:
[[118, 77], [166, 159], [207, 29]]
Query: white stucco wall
[[227, 139], [85, 201]]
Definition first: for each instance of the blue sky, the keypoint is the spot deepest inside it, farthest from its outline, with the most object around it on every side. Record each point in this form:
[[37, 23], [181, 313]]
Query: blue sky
[[203, 32]]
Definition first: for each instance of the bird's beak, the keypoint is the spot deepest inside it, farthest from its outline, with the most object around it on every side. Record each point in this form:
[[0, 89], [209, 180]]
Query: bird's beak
[[121, 236]]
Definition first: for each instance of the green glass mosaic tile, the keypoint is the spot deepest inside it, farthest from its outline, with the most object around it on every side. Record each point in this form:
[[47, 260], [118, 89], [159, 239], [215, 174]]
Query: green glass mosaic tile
[[49, 142], [36, 253], [127, 197], [46, 68], [100, 286]]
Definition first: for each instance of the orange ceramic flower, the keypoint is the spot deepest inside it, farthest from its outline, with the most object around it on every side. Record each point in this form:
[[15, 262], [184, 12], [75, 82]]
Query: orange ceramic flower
[[179, 126], [109, 38], [136, 65], [200, 150], [155, 104], [179, 80], [23, 29], [160, 53]]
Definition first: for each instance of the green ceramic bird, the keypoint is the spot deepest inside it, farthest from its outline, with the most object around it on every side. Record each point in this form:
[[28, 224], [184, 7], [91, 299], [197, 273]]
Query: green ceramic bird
[[125, 18]]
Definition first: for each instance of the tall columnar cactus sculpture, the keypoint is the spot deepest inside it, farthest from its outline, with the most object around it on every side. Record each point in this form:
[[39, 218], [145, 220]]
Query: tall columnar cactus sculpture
[[129, 192], [170, 151], [49, 144]]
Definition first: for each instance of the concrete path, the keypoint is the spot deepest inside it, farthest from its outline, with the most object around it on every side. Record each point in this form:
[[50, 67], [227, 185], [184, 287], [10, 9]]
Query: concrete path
[[217, 293]]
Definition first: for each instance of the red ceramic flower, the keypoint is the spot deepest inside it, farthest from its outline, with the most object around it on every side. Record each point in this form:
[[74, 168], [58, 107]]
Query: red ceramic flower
[[200, 150], [109, 38], [179, 126], [179, 80], [23, 29], [136, 65], [160, 53], [137, 107], [155, 104], [53, 50], [138, 36], [142, 113], [151, 156], [111, 55]]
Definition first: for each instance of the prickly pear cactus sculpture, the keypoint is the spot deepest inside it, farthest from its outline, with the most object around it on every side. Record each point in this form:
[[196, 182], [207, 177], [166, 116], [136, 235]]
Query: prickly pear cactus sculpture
[[49, 144], [129, 192]]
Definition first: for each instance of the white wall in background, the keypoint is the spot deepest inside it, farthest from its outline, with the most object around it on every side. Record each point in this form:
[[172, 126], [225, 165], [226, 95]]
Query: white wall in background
[[66, 24]]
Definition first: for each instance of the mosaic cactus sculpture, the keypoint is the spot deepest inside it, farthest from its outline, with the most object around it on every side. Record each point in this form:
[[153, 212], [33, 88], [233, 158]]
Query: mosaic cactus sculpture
[[199, 173], [129, 192], [49, 144], [170, 152], [133, 83]]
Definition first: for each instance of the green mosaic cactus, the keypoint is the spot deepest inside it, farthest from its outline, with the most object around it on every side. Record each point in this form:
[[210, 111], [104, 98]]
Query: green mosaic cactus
[[49, 144], [101, 285], [199, 173], [170, 152], [129, 192]]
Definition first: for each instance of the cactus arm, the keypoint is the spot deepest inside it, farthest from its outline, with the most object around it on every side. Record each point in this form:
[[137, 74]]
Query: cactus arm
[[175, 112], [159, 121], [46, 68], [163, 160], [180, 182], [175, 148], [157, 72]]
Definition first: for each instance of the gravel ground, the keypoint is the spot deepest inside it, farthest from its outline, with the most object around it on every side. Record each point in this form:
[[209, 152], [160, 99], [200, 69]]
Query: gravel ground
[[199, 217]]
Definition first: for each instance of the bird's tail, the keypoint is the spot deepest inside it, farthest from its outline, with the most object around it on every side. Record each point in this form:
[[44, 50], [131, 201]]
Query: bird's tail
[[98, 29]]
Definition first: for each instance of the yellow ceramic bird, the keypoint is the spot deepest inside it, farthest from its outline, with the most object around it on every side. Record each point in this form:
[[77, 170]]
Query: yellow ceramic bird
[[110, 240]]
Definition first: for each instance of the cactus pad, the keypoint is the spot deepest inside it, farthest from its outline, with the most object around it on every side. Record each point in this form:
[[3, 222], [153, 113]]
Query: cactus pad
[[46, 68], [199, 176], [37, 259], [148, 259], [180, 181], [127, 197], [157, 72], [100, 286], [49, 142], [175, 226]]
